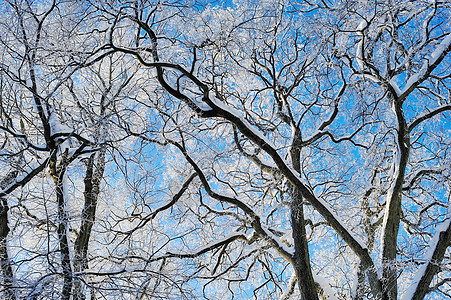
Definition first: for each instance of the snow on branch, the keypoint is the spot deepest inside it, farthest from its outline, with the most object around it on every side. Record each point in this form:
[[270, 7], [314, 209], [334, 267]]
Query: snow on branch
[[429, 115], [275, 238], [23, 138], [260, 229], [432, 259], [290, 288], [24, 179], [326, 287], [210, 246], [428, 66], [420, 173], [359, 51], [257, 137]]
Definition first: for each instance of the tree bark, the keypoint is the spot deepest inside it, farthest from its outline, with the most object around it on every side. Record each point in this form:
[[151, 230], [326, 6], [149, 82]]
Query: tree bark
[[7, 272], [393, 207], [301, 257], [94, 174], [5, 262], [433, 264], [58, 175]]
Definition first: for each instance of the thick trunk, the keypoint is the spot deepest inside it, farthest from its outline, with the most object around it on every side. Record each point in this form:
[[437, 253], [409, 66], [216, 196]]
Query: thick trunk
[[359, 288], [7, 272], [432, 265], [63, 242], [58, 175], [301, 257], [94, 174], [393, 208], [5, 262]]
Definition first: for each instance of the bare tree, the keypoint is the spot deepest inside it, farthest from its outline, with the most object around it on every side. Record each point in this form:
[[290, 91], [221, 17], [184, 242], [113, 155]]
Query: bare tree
[[285, 93]]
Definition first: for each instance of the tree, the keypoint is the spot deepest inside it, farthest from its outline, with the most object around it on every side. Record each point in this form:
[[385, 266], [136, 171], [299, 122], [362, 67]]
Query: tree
[[239, 150]]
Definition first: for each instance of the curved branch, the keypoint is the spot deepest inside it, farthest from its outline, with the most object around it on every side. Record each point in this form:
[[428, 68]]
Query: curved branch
[[283, 250], [429, 65], [221, 110], [418, 175], [254, 158], [218, 244], [433, 258], [429, 115], [25, 179]]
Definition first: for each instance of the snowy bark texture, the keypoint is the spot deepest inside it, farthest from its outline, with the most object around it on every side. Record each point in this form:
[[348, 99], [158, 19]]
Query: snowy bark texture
[[193, 149]]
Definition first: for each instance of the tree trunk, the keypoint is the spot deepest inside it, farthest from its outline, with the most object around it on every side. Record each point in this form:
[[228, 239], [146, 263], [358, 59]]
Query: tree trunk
[[58, 175], [393, 207], [301, 257], [5, 262], [94, 174], [7, 272]]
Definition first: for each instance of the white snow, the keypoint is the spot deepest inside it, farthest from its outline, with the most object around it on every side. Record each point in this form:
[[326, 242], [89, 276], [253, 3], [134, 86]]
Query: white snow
[[440, 49], [355, 281], [428, 62], [56, 126], [257, 133], [359, 55], [202, 105], [359, 52], [287, 237], [408, 294], [326, 286], [205, 247], [395, 87], [362, 25], [276, 239], [286, 294]]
